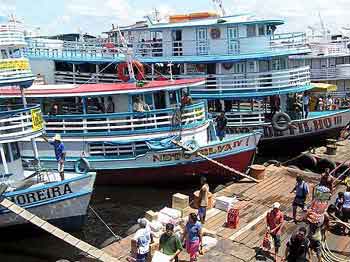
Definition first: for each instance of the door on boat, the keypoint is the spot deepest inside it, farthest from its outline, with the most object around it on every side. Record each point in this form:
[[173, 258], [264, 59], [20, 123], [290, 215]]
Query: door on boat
[[265, 77], [177, 42], [233, 42], [202, 41]]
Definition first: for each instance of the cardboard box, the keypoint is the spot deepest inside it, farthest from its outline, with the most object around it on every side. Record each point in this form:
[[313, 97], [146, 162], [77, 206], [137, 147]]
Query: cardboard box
[[151, 215], [180, 201]]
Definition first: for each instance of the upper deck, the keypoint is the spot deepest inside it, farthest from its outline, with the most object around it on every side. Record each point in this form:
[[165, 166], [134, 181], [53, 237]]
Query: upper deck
[[20, 123]]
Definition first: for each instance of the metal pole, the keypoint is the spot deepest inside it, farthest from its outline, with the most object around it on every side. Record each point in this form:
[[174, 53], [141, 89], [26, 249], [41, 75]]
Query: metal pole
[[3, 159]]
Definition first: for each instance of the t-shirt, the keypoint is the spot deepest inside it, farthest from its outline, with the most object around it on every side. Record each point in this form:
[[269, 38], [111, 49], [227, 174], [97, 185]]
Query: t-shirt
[[143, 239], [327, 182], [346, 200], [221, 122], [301, 190], [59, 150], [297, 248], [306, 100], [193, 231], [169, 244], [274, 220]]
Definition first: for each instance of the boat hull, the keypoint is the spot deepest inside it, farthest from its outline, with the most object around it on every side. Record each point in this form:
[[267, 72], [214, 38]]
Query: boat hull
[[63, 203], [301, 135]]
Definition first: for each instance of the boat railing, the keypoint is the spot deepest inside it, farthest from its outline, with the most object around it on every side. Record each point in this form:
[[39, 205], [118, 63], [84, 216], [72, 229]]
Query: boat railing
[[81, 77], [244, 117], [330, 48], [17, 122], [295, 40], [277, 80], [127, 123], [12, 35], [341, 71]]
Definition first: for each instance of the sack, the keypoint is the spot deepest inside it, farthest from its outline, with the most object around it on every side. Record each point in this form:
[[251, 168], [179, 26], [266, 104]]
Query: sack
[[267, 241]]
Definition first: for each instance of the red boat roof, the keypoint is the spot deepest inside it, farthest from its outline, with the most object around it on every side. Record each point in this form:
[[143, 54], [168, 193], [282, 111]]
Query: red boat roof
[[67, 90]]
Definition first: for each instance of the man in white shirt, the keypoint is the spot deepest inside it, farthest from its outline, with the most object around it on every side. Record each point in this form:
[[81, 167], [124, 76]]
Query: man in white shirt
[[143, 240], [306, 103], [329, 102]]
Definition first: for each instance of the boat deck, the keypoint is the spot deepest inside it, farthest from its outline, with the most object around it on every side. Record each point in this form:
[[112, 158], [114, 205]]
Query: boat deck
[[342, 153], [243, 243]]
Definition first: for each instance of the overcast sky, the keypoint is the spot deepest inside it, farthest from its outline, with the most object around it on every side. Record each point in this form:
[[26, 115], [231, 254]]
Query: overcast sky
[[96, 16]]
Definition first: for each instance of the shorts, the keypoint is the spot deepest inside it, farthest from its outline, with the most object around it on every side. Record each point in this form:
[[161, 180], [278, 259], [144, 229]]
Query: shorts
[[220, 133], [299, 202], [202, 212], [276, 240], [141, 257], [316, 246], [60, 166]]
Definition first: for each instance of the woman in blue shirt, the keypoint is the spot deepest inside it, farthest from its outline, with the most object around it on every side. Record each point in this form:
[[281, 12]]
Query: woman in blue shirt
[[193, 235]]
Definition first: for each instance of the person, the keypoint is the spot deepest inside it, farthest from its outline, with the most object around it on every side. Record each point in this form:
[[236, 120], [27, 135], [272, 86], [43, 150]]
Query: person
[[317, 234], [186, 100], [320, 104], [143, 240], [301, 190], [221, 123], [306, 104], [339, 202], [110, 105], [274, 221], [327, 180], [297, 248], [59, 153], [169, 243], [329, 102], [346, 206], [275, 104], [203, 199], [193, 236], [138, 105]]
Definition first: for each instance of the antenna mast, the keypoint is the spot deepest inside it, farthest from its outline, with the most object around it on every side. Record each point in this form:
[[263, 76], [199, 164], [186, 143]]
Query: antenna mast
[[128, 54], [219, 7]]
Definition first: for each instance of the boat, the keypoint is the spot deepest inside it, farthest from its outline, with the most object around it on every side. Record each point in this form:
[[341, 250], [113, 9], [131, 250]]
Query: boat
[[135, 147], [39, 190], [244, 62]]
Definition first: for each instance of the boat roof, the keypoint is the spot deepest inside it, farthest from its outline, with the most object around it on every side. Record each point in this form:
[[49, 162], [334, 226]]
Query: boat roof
[[212, 21], [102, 89]]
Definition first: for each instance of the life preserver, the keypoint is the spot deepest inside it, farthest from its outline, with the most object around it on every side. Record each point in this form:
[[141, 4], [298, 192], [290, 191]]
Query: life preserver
[[215, 33], [276, 121], [227, 66], [136, 65], [82, 166]]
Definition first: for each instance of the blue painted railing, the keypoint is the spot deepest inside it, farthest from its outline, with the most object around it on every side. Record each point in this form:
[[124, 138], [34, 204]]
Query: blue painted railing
[[127, 123]]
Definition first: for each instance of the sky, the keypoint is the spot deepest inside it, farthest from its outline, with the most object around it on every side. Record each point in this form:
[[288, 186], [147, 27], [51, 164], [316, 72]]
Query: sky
[[96, 16]]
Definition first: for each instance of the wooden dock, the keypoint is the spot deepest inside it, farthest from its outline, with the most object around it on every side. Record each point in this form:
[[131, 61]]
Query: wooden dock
[[342, 153], [243, 243]]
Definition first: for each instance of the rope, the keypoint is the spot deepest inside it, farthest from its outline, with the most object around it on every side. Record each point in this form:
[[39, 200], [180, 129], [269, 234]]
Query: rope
[[328, 254], [109, 229]]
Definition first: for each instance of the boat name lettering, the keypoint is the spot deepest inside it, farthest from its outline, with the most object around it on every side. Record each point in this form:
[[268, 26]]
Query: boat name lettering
[[44, 194], [205, 151]]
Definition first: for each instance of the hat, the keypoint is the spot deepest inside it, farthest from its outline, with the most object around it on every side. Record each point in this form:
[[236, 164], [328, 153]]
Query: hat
[[57, 137], [142, 222], [276, 205]]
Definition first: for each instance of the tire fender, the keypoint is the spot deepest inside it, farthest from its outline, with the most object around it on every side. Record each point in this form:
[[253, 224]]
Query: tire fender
[[82, 166], [276, 121]]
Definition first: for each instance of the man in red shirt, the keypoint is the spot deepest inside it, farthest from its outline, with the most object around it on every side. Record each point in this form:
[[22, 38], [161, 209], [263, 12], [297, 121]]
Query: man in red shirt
[[274, 221]]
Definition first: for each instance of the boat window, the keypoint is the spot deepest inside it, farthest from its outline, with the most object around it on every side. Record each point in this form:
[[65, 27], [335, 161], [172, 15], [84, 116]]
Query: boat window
[[118, 150], [340, 60], [346, 60], [276, 64], [172, 98], [62, 106], [251, 30], [232, 32], [159, 100], [261, 30], [251, 66], [239, 68]]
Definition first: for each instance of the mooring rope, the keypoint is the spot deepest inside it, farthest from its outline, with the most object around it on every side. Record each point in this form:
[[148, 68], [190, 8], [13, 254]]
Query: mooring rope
[[97, 215]]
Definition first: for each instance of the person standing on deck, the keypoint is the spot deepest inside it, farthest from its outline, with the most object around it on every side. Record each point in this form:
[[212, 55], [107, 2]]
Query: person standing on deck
[[297, 248], [221, 123], [193, 236], [327, 180], [306, 104], [329, 103], [317, 235], [169, 243], [301, 190], [110, 108], [203, 199], [59, 153], [274, 221], [143, 238]]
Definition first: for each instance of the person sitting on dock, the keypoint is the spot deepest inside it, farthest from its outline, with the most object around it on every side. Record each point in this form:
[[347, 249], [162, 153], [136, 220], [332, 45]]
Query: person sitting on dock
[[193, 236], [221, 123], [327, 180], [301, 190], [275, 220], [297, 248], [169, 243], [143, 238], [203, 199], [59, 153]]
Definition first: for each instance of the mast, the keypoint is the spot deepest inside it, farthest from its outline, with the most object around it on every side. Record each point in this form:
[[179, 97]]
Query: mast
[[128, 54]]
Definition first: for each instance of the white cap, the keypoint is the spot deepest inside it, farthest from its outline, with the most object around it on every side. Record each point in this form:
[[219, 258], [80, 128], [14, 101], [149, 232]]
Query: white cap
[[276, 205], [142, 222], [57, 137]]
